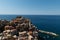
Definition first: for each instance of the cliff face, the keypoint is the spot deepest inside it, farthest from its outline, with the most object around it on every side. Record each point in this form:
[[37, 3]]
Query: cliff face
[[19, 28]]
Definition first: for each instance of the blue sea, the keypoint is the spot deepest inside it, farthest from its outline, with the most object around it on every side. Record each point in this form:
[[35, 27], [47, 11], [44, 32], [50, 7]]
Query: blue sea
[[43, 22]]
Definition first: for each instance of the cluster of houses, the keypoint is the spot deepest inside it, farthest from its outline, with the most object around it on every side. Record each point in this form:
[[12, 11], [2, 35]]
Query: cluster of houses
[[19, 28]]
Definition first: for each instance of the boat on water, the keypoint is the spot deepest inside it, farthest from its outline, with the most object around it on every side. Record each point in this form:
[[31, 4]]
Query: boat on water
[[20, 28]]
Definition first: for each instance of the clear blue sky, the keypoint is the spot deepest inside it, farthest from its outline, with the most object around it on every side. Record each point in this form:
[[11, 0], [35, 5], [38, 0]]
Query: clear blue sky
[[30, 7]]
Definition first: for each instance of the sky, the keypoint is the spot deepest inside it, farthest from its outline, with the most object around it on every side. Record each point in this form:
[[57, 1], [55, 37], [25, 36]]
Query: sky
[[30, 7]]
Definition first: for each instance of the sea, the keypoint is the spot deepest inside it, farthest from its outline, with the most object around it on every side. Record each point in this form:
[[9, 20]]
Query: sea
[[49, 23]]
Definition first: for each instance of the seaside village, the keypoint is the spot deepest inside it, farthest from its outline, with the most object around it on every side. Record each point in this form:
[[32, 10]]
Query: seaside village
[[19, 28]]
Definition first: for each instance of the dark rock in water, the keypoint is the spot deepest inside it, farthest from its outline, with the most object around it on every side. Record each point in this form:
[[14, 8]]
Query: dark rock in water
[[40, 38]]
